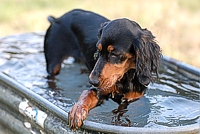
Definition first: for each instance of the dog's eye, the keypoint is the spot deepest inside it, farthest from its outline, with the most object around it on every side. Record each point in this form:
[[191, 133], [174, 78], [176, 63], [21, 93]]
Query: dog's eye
[[116, 58], [113, 56]]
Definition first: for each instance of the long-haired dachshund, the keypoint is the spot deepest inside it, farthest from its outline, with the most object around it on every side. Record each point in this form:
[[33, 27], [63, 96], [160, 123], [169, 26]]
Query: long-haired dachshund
[[127, 58], [73, 34]]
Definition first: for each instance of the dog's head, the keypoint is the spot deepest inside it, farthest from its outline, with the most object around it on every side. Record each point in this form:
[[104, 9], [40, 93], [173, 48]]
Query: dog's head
[[54, 47], [53, 66], [124, 45]]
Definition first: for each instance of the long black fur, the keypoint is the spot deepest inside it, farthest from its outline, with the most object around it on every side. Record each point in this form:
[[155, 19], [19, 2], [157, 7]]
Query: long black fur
[[131, 38], [73, 34]]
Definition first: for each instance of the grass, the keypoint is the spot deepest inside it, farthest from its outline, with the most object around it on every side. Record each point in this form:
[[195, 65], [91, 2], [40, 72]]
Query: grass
[[175, 23]]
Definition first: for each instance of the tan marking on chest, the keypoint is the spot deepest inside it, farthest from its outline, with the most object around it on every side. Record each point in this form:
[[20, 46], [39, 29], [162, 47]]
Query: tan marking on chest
[[131, 96]]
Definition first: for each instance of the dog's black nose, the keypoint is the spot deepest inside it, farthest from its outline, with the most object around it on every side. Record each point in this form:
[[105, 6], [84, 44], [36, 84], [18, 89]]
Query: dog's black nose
[[94, 82]]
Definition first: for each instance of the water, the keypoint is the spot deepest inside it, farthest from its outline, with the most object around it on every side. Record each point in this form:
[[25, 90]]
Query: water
[[172, 101]]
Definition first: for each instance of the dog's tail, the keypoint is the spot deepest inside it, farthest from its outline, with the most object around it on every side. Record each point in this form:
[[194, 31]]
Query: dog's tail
[[51, 19]]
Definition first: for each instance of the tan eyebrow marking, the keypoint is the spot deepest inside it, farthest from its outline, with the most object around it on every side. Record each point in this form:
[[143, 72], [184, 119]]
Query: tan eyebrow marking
[[110, 48], [99, 47]]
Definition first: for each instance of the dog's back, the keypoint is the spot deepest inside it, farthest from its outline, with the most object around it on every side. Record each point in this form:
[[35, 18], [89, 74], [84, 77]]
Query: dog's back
[[73, 34]]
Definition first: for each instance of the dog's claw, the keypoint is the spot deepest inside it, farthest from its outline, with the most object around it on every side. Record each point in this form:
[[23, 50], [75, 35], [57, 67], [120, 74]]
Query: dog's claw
[[76, 116]]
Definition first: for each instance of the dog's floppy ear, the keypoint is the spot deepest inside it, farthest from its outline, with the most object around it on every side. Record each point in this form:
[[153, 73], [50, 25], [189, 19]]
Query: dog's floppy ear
[[147, 53], [101, 29]]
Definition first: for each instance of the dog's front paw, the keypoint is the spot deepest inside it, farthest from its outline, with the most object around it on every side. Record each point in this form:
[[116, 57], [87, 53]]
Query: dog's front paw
[[77, 115]]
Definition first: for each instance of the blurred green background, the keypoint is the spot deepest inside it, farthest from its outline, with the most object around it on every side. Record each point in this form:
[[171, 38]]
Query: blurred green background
[[175, 23]]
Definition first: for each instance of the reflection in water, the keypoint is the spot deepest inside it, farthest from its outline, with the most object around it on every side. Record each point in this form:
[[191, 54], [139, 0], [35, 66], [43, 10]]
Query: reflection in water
[[52, 83], [130, 115], [172, 101], [118, 114]]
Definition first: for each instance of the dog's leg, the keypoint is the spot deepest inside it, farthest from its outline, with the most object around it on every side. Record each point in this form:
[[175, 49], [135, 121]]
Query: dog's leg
[[79, 111]]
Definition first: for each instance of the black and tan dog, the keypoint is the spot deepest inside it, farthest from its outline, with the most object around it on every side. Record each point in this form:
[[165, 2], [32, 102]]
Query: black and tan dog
[[73, 34], [127, 61]]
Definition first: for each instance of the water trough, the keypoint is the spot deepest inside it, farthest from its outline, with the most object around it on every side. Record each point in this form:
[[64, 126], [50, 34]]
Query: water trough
[[24, 109]]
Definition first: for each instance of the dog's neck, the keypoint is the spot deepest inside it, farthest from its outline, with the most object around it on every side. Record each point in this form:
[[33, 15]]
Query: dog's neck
[[130, 82]]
